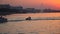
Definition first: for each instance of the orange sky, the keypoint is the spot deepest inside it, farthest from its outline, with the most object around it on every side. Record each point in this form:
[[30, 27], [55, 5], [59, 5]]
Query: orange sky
[[54, 4]]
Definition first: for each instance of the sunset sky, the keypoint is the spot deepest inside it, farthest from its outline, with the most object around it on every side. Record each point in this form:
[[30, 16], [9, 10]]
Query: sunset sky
[[53, 4]]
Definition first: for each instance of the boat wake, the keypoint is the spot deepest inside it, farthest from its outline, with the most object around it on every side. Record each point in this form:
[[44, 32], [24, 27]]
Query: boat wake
[[35, 19]]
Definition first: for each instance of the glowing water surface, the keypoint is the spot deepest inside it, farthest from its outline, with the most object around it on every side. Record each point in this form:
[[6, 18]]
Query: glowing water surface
[[33, 26]]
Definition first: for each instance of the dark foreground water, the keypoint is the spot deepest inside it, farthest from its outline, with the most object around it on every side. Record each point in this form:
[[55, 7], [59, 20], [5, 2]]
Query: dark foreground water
[[33, 26]]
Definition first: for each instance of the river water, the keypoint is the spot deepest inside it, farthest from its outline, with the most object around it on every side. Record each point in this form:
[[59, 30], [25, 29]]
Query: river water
[[32, 26]]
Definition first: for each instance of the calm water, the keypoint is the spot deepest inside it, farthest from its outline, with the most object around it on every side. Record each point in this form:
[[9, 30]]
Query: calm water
[[31, 27]]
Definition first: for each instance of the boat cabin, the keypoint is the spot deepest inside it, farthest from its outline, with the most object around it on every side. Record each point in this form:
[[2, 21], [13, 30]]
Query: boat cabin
[[28, 18]]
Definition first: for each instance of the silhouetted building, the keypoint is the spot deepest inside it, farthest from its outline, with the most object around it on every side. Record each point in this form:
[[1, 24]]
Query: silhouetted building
[[37, 10], [4, 6], [29, 10], [47, 10], [4, 9], [17, 8]]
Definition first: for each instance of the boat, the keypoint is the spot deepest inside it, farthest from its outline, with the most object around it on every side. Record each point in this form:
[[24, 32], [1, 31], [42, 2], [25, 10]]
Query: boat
[[2, 19], [28, 18]]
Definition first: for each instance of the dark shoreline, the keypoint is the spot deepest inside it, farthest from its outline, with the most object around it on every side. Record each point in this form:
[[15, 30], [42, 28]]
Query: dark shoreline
[[4, 14]]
